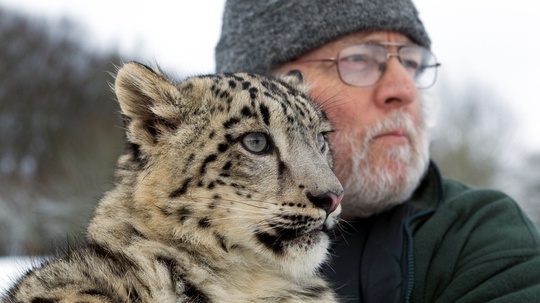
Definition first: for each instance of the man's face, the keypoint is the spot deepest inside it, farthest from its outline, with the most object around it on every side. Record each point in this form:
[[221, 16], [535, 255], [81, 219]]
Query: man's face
[[381, 143]]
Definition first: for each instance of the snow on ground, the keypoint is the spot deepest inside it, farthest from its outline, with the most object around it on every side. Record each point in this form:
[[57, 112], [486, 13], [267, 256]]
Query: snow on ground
[[12, 268]]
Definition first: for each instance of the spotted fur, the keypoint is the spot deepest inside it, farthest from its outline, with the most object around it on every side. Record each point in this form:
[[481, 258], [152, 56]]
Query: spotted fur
[[225, 194]]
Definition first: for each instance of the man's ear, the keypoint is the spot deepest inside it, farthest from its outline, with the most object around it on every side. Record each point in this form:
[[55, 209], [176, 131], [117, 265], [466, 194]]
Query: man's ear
[[148, 101]]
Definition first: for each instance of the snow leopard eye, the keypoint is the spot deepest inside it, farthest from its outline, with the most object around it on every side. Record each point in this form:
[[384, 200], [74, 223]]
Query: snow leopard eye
[[322, 142], [256, 142]]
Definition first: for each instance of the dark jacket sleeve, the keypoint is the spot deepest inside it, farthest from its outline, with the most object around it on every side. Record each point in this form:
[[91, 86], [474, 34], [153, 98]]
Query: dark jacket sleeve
[[478, 246]]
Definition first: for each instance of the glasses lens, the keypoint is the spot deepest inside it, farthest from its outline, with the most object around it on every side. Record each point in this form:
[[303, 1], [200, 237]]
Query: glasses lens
[[420, 63], [361, 65]]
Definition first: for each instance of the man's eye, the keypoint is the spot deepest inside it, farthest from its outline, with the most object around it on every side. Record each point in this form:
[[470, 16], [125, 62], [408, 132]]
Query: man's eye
[[357, 62], [411, 65], [356, 58]]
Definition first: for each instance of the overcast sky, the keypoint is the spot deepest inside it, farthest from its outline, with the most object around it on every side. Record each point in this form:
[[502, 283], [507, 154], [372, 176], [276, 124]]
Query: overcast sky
[[485, 42]]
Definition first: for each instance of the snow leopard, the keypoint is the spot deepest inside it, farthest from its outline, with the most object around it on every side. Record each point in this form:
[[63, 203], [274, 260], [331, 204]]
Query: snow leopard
[[225, 193]]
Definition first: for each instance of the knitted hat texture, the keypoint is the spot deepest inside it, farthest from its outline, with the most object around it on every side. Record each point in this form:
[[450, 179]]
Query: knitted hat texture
[[260, 35]]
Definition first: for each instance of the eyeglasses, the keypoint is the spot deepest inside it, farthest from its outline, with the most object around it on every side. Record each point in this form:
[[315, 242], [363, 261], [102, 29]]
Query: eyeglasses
[[363, 65]]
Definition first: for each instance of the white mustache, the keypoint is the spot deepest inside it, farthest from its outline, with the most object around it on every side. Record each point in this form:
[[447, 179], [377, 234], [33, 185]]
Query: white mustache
[[395, 120]]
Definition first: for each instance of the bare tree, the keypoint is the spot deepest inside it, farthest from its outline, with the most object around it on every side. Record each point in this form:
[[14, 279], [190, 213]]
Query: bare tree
[[525, 181], [59, 131], [474, 142], [469, 139]]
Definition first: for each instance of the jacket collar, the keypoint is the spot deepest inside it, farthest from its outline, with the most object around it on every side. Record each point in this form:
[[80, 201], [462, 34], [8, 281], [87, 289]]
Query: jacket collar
[[429, 195]]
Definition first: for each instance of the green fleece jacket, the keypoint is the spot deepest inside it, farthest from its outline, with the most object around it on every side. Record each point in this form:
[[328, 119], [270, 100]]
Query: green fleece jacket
[[448, 243]]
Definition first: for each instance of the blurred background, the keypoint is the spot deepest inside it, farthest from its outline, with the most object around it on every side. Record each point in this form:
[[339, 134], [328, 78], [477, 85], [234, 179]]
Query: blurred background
[[60, 132]]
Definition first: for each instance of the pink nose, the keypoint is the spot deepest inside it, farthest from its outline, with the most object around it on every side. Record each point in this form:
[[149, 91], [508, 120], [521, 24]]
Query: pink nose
[[328, 201]]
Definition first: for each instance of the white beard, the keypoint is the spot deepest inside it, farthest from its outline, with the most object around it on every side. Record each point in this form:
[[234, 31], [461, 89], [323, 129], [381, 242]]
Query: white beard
[[376, 182]]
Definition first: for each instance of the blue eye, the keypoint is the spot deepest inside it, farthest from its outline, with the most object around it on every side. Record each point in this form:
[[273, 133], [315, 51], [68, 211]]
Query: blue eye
[[256, 142]]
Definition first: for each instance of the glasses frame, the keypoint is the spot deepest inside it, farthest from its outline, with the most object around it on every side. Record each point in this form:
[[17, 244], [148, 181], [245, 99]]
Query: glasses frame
[[389, 54]]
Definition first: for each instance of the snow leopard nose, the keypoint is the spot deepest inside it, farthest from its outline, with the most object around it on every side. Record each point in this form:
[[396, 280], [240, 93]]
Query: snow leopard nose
[[328, 201]]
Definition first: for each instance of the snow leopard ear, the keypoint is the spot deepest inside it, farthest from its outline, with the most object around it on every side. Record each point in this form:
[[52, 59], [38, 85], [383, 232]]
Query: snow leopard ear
[[149, 102], [295, 78]]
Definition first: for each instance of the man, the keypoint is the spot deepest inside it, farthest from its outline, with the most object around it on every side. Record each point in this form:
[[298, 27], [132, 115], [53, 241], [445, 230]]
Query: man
[[411, 236]]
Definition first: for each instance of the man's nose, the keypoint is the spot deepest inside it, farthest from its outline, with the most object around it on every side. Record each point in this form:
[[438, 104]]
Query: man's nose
[[396, 87]]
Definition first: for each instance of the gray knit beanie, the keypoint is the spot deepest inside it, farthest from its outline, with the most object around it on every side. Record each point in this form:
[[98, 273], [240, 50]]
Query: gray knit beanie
[[258, 36]]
